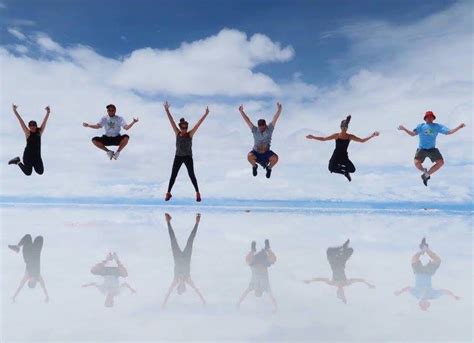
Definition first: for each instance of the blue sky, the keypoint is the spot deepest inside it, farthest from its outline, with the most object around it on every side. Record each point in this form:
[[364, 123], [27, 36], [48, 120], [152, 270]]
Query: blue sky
[[114, 28], [384, 62]]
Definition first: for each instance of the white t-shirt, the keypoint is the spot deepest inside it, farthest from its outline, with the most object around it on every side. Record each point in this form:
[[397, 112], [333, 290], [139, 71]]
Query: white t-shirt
[[112, 125]]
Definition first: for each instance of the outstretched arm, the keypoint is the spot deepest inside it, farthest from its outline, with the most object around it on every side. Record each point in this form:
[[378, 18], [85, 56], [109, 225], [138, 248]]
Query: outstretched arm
[[92, 126], [277, 114], [129, 126], [460, 126], [166, 105], [89, 284], [328, 138], [243, 296], [191, 283], [126, 285], [363, 140], [448, 292], [318, 279], [194, 129], [172, 286], [410, 132], [43, 286], [45, 120], [362, 281], [403, 290], [25, 129], [245, 116], [20, 286]]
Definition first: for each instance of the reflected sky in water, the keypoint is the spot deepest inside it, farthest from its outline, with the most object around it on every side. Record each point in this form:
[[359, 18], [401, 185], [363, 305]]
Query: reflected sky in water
[[323, 286]]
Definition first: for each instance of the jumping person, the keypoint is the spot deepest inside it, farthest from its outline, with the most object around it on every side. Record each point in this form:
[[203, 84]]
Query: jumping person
[[111, 286], [337, 258], [259, 264], [340, 162], [182, 262], [31, 251], [112, 124], [184, 152], [262, 136], [32, 153], [427, 133], [423, 289]]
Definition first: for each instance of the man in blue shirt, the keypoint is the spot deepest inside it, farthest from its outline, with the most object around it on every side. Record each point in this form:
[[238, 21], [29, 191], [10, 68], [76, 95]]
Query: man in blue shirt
[[427, 133], [423, 290]]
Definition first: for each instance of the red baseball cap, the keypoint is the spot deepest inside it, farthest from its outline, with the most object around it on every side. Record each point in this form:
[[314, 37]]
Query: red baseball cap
[[429, 114]]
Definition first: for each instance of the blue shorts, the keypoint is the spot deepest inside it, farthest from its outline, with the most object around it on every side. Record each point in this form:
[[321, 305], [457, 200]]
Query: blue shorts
[[263, 158]]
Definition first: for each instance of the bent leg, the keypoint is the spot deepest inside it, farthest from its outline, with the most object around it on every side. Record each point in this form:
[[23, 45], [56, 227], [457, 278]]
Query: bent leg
[[438, 164], [96, 141], [273, 160], [123, 142], [38, 166], [418, 165], [252, 159]]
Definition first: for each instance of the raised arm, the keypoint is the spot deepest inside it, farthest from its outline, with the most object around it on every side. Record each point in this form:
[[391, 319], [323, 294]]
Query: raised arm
[[45, 120], [172, 286], [448, 292], [191, 283], [89, 284], [246, 118], [410, 132], [403, 290], [129, 126], [20, 286], [459, 127], [194, 129], [277, 114], [25, 129], [318, 279], [166, 105], [43, 286], [351, 281], [328, 138], [363, 140]]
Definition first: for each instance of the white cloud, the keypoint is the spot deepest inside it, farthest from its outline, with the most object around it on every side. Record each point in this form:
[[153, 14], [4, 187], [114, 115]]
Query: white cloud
[[45, 42], [17, 33], [398, 88], [21, 49]]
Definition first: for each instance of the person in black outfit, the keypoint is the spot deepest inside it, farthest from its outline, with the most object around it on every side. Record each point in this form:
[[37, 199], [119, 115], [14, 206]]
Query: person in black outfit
[[32, 256], [339, 162], [184, 153], [337, 258], [182, 262], [32, 154]]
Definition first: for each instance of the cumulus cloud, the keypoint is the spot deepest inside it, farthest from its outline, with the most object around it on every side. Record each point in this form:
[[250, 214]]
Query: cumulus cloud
[[383, 91], [16, 33]]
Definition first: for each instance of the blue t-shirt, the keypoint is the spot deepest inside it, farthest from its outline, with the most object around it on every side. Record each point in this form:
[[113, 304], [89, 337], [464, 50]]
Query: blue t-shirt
[[428, 132], [423, 288]]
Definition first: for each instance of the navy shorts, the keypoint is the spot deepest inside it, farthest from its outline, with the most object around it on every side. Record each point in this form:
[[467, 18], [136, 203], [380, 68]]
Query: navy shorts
[[263, 158]]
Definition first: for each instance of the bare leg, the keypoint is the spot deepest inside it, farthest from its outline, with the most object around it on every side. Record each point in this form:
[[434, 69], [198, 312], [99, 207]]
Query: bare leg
[[438, 164], [100, 145], [123, 143], [273, 160], [252, 159], [419, 166]]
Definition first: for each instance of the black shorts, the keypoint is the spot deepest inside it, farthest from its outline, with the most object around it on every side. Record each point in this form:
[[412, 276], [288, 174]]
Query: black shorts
[[263, 158], [106, 140], [430, 268], [433, 154]]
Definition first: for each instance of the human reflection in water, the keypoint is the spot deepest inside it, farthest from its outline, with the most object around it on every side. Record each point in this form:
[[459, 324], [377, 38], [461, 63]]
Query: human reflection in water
[[31, 251], [182, 262], [423, 290], [259, 264], [110, 286], [337, 257]]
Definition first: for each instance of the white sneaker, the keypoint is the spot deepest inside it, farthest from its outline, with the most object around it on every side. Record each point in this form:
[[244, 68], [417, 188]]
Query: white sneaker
[[110, 154], [116, 155]]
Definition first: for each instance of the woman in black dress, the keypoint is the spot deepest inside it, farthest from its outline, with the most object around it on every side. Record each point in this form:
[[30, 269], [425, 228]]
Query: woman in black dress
[[32, 154], [339, 162]]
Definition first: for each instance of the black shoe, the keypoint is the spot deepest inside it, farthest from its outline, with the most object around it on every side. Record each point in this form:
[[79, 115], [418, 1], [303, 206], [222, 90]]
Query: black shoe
[[253, 246], [425, 179], [15, 248], [269, 172], [267, 244], [15, 160], [254, 170], [348, 176], [346, 244]]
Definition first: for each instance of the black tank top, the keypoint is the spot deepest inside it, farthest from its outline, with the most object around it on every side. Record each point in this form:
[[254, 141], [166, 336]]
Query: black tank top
[[341, 146], [184, 145], [33, 144]]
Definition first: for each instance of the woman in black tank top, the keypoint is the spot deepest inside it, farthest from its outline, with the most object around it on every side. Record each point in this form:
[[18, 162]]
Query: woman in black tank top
[[340, 162], [184, 153], [32, 153]]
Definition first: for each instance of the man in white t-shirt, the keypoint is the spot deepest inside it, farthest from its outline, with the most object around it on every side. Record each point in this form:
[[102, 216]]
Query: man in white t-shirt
[[112, 125]]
